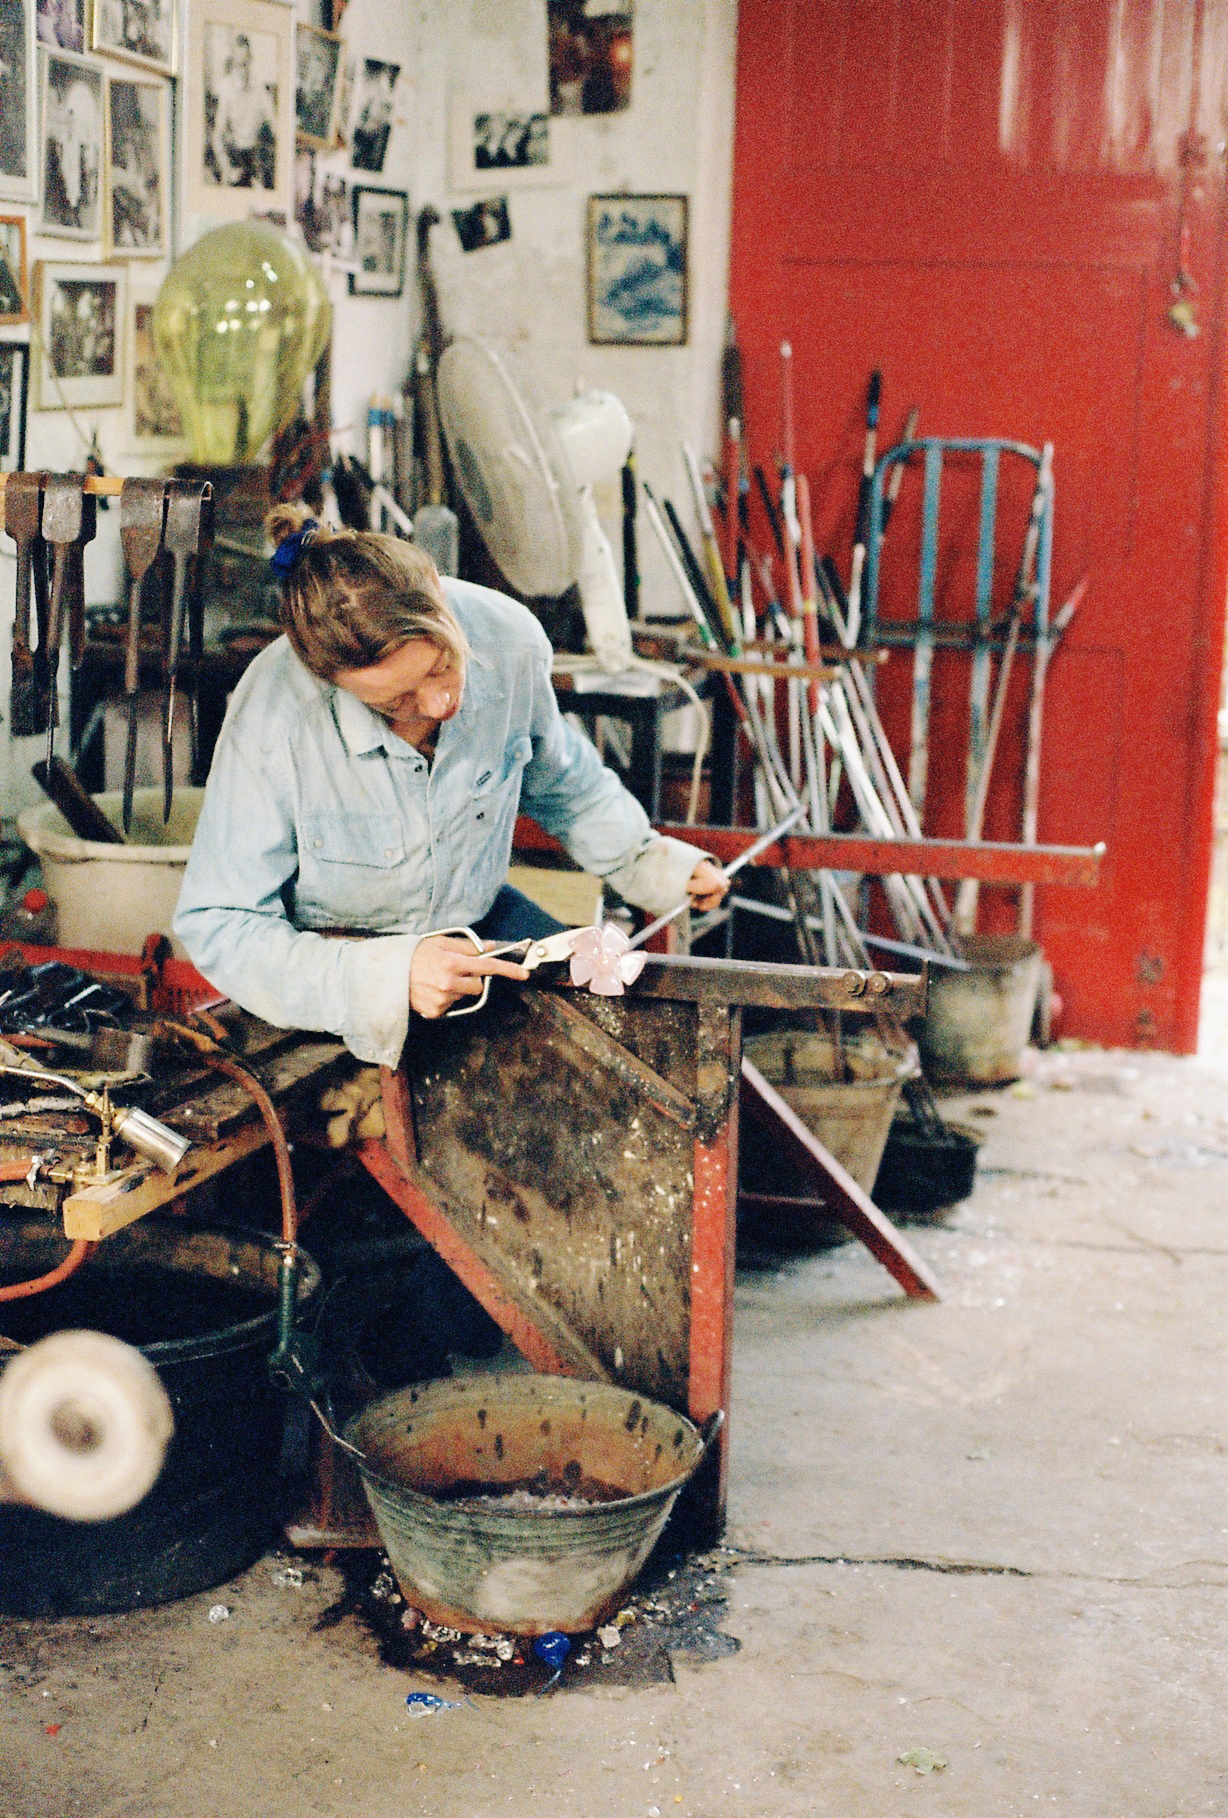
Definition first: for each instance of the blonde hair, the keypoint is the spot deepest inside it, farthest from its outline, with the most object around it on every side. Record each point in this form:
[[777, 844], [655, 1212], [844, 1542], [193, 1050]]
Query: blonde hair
[[353, 597]]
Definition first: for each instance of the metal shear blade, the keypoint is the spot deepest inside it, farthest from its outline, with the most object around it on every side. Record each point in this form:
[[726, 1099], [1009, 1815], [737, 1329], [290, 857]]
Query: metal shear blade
[[532, 954]]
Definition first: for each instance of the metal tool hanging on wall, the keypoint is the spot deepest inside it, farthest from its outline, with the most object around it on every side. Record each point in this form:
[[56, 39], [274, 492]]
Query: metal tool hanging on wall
[[142, 516], [23, 511], [189, 529], [70, 517]]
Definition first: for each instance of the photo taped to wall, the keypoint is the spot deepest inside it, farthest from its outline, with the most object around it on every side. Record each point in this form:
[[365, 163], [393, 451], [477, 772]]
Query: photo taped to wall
[[485, 224], [374, 94], [637, 270], [590, 56], [503, 141], [72, 146], [137, 131]]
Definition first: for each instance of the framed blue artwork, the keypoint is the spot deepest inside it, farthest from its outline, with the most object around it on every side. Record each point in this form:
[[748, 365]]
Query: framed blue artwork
[[637, 271]]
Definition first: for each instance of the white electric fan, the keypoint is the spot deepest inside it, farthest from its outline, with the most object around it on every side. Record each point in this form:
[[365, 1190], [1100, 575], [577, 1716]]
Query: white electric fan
[[528, 476]]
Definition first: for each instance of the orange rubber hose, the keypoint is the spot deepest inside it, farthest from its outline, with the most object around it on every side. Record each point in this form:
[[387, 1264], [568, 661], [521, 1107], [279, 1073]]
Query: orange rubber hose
[[80, 1252]]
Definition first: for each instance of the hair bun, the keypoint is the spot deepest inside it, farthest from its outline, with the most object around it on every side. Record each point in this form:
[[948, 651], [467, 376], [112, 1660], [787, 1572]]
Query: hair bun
[[287, 520]]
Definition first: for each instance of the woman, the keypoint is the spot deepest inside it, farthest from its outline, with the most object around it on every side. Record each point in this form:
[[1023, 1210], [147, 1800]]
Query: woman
[[367, 781]]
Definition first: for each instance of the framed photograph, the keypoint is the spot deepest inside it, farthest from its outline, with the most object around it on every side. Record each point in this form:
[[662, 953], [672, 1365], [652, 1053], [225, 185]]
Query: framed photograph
[[318, 61], [14, 278], [72, 146], [137, 162], [637, 271], [142, 31], [18, 102], [81, 312], [375, 87], [156, 427], [239, 138], [381, 223], [14, 392], [61, 24]]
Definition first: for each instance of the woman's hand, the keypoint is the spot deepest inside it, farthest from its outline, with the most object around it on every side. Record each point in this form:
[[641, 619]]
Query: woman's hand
[[707, 885], [444, 970]]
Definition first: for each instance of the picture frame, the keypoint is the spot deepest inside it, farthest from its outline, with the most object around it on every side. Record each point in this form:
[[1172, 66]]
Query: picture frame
[[71, 159], [637, 271], [137, 163], [82, 312], [61, 23], [381, 233], [14, 404], [19, 142], [317, 56], [239, 138], [138, 31], [14, 272], [154, 424]]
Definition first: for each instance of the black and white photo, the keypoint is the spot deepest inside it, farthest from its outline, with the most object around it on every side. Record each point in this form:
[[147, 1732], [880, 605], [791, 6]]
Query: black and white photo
[[381, 223], [318, 58], [157, 427], [18, 102], [72, 146], [142, 31], [14, 389], [14, 295], [239, 134], [137, 130], [375, 91], [61, 23], [485, 224], [322, 207], [81, 312], [503, 141]]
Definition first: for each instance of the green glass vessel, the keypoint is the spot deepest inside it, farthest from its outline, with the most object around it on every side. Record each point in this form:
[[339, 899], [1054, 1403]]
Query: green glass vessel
[[240, 320]]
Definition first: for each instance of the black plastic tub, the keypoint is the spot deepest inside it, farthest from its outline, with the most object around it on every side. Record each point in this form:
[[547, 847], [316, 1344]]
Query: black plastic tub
[[924, 1172], [201, 1303]]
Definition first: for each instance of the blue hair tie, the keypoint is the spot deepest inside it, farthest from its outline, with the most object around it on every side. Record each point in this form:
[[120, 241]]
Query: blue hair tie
[[285, 556]]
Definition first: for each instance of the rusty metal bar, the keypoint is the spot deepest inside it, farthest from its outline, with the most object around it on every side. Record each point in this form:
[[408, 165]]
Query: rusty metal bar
[[990, 861], [840, 1194], [690, 978]]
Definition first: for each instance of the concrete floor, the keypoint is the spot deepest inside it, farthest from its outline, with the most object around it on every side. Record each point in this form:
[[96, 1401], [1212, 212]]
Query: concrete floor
[[995, 1528]]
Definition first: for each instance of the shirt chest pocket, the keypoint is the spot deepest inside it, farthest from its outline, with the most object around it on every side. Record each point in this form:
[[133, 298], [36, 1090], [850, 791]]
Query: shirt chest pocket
[[492, 813], [348, 869]]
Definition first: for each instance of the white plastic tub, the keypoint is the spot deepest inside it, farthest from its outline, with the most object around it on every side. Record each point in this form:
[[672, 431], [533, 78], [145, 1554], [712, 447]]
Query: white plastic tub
[[111, 897]]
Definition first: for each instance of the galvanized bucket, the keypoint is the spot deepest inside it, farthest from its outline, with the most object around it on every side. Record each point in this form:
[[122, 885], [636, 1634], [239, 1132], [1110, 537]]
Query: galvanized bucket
[[603, 1466]]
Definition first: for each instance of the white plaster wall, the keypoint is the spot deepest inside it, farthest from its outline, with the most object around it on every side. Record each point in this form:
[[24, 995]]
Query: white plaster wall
[[530, 291]]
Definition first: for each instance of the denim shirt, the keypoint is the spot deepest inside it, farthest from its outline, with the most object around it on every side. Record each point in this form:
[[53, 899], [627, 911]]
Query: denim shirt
[[317, 816]]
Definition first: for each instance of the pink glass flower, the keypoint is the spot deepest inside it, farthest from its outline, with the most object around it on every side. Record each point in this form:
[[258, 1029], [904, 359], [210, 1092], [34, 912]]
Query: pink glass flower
[[602, 959]]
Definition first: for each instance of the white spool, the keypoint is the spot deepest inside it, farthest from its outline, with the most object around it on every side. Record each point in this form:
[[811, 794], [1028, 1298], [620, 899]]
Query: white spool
[[84, 1425]]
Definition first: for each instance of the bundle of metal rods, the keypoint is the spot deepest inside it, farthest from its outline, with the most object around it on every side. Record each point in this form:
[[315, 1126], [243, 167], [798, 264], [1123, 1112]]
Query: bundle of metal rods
[[805, 702]]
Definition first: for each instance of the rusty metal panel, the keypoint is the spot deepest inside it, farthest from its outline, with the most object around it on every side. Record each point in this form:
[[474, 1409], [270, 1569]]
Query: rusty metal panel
[[574, 1165]]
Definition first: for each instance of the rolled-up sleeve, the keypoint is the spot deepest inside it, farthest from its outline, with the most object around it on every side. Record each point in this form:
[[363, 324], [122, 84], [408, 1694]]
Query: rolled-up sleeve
[[570, 793], [233, 919]]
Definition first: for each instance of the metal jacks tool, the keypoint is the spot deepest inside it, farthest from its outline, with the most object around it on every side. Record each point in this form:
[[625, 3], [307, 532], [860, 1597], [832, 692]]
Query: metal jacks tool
[[70, 517], [142, 514], [23, 507], [189, 526]]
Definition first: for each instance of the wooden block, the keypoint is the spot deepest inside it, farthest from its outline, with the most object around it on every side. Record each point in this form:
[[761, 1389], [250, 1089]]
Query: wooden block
[[97, 1212]]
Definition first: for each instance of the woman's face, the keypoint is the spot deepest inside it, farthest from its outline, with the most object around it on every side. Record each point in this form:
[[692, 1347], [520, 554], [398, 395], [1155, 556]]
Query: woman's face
[[415, 689]]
